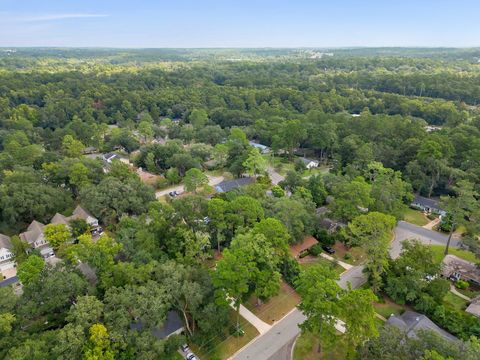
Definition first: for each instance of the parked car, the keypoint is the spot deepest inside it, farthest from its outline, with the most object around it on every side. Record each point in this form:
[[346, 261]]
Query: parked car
[[173, 193], [185, 348], [328, 249], [191, 356]]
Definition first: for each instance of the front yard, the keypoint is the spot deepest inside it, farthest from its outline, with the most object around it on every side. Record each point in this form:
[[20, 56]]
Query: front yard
[[277, 307], [310, 261], [455, 301], [352, 256], [387, 307], [306, 348], [415, 217], [439, 253]]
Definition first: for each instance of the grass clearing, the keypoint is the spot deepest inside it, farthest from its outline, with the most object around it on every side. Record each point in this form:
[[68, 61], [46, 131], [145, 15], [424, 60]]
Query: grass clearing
[[415, 217], [455, 301], [356, 255], [439, 253], [227, 345], [306, 348], [388, 307], [310, 261], [277, 307]]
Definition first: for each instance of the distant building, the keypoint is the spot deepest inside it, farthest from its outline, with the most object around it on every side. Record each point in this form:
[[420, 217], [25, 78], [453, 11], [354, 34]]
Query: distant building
[[229, 185], [7, 258], [428, 205], [310, 164], [455, 269], [264, 149], [411, 322]]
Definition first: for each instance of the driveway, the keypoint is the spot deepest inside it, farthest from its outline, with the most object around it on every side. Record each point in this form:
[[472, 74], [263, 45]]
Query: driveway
[[274, 176], [407, 231], [212, 181]]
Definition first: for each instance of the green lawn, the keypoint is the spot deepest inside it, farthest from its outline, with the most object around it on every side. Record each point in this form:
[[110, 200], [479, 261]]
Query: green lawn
[[415, 217], [388, 307], [455, 301], [439, 253], [356, 255], [277, 307], [338, 269], [227, 345], [306, 348]]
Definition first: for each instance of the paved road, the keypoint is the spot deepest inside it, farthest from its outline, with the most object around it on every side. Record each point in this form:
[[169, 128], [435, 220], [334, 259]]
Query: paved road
[[212, 181], [9, 281], [406, 231], [274, 176], [276, 343]]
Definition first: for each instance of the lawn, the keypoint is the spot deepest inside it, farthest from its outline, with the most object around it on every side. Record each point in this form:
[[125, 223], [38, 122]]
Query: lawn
[[226, 346], [455, 301], [356, 255], [388, 307], [277, 307], [306, 348], [415, 217], [309, 261], [439, 253]]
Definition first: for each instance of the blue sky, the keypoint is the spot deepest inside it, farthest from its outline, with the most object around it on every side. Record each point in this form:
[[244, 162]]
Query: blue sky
[[239, 23]]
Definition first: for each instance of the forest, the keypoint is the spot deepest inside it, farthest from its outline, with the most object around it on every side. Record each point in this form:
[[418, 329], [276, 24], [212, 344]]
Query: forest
[[383, 126]]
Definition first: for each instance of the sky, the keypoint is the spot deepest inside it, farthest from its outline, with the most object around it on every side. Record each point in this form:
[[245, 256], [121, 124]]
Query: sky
[[239, 23]]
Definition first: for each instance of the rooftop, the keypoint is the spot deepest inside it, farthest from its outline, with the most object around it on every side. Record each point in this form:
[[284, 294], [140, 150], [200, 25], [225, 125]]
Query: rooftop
[[172, 325], [5, 242], [474, 307], [412, 322], [424, 201], [229, 185], [468, 271]]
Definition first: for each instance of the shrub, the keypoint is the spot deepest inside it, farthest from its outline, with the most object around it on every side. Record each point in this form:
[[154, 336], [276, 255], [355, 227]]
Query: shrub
[[303, 254], [278, 192], [460, 284], [347, 256], [315, 250]]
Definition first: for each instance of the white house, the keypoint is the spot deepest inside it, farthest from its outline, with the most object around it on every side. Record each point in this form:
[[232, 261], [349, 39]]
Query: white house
[[7, 262], [310, 164]]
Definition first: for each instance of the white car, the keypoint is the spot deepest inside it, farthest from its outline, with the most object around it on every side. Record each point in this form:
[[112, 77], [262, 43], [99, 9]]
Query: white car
[[191, 356]]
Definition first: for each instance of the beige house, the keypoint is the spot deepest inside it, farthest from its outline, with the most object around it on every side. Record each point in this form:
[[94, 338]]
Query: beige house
[[35, 238]]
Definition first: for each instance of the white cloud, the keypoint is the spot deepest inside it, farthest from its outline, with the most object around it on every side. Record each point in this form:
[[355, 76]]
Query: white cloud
[[48, 17]]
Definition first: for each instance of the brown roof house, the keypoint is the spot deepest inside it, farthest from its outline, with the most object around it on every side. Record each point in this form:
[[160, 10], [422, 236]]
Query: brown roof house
[[35, 238], [454, 268], [7, 258]]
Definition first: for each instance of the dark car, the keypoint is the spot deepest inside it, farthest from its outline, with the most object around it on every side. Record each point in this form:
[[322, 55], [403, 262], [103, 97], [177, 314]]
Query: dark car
[[328, 249], [185, 348], [172, 193]]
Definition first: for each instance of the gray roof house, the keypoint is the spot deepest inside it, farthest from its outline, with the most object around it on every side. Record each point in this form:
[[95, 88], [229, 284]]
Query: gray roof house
[[264, 149], [474, 307], [310, 164], [229, 185], [412, 322], [81, 213], [36, 240], [173, 326], [427, 204]]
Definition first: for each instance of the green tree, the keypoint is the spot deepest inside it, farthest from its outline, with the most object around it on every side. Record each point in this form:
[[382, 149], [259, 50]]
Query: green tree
[[30, 269], [57, 234], [351, 198], [71, 147], [194, 179], [255, 164], [198, 118], [98, 346], [373, 232], [217, 209]]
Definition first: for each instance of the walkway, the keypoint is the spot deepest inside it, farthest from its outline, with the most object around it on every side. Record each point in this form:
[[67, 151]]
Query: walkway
[[459, 294], [431, 224], [341, 263], [274, 176]]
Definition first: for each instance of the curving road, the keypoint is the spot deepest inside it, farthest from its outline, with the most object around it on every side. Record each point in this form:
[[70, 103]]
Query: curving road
[[276, 344], [212, 181]]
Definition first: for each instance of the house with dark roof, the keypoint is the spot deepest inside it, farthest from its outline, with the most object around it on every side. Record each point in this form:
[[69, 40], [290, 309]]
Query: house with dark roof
[[7, 258], [173, 326], [310, 164], [412, 322], [229, 185], [427, 204]]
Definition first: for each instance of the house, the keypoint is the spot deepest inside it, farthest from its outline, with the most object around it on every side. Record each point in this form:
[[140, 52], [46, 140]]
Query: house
[[81, 213], [455, 269], [173, 326], [330, 225], [7, 258], [229, 185], [89, 150], [412, 322], [474, 307], [428, 205], [264, 149], [35, 238], [310, 164]]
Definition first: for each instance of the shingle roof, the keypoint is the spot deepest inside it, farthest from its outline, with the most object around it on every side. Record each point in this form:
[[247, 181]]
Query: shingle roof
[[5, 242], [59, 219], [81, 213], [228, 185], [412, 322], [474, 307], [424, 201], [34, 231]]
